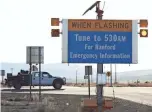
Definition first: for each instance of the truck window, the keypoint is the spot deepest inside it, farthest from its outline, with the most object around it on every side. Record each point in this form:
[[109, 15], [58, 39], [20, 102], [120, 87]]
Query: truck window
[[45, 74], [36, 74]]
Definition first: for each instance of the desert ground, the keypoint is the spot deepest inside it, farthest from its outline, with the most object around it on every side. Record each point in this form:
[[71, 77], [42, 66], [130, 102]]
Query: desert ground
[[15, 102], [148, 84]]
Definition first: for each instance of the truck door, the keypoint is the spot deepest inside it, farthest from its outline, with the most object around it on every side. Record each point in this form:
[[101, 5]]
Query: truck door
[[35, 78], [46, 79]]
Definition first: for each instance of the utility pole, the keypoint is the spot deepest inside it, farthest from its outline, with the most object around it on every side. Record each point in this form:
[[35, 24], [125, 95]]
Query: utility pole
[[91, 79], [99, 66], [12, 71], [76, 76]]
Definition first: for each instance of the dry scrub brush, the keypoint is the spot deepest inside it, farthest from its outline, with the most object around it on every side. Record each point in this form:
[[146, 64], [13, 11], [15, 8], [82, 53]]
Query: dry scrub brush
[[44, 105]]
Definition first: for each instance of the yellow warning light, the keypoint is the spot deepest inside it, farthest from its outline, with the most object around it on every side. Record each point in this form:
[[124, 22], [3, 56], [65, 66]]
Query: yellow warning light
[[108, 74], [55, 21], [144, 23], [143, 32], [55, 33]]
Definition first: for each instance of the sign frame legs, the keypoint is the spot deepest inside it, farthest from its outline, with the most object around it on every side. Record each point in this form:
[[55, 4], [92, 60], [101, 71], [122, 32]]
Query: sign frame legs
[[40, 73], [30, 75], [88, 83]]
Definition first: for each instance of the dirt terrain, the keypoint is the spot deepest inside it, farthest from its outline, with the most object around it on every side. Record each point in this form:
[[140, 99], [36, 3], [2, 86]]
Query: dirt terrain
[[115, 85], [16, 102]]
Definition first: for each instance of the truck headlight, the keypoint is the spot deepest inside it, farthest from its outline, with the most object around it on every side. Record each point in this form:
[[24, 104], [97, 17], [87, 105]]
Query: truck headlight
[[64, 79]]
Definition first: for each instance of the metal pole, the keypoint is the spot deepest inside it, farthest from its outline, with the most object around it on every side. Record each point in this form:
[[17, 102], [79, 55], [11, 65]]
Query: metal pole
[[111, 73], [76, 77], [12, 70], [89, 82], [30, 74], [40, 73], [99, 71], [2, 79], [99, 88], [115, 74]]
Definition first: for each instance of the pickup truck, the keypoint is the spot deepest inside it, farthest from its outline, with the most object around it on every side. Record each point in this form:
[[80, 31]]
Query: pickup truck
[[24, 80]]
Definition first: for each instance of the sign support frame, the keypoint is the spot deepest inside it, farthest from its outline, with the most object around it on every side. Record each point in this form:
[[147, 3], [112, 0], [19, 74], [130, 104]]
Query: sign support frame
[[40, 73], [2, 75], [88, 72], [89, 83], [36, 58], [30, 74]]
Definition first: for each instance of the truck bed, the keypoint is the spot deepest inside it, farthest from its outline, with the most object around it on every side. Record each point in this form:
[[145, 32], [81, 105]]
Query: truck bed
[[23, 79]]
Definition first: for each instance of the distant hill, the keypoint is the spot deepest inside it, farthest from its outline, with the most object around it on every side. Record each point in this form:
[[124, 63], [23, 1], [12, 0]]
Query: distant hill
[[70, 71], [142, 75]]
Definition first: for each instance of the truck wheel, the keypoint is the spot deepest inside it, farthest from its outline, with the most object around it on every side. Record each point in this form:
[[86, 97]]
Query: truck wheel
[[57, 85], [17, 86]]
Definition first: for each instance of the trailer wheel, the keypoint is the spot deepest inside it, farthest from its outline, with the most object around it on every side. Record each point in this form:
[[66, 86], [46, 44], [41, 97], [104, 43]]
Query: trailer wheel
[[9, 85], [17, 86]]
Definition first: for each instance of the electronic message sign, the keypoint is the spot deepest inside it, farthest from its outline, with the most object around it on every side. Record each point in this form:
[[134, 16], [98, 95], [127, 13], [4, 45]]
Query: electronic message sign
[[99, 41]]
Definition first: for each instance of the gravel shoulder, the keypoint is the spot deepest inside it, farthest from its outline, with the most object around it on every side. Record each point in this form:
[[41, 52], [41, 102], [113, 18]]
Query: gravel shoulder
[[15, 102]]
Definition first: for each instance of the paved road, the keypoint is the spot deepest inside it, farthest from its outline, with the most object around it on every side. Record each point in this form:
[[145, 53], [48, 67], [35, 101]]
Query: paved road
[[136, 94]]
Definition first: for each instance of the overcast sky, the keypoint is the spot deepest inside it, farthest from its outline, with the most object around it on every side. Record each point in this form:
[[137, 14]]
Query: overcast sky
[[27, 22]]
